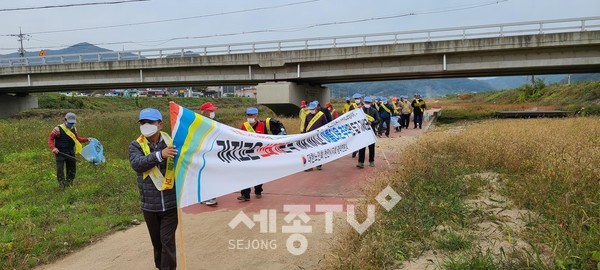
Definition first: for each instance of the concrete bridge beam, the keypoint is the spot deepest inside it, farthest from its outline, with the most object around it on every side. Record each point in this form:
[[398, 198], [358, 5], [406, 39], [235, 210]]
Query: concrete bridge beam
[[11, 105], [284, 97]]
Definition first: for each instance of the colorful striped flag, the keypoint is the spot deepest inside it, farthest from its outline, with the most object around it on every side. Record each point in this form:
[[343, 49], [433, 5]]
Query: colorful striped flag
[[215, 159]]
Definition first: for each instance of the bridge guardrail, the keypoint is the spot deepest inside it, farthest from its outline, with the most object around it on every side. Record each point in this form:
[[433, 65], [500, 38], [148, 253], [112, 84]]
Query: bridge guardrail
[[441, 34]]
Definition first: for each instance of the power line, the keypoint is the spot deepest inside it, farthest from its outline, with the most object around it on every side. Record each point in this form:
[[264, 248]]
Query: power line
[[177, 19], [72, 5], [304, 27], [299, 28], [20, 38]]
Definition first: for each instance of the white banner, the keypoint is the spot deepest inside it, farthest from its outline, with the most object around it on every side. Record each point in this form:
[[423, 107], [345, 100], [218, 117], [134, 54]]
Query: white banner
[[215, 159]]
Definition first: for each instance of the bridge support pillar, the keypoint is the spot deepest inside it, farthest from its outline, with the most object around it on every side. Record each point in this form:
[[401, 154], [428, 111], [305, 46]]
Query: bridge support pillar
[[11, 105], [284, 97]]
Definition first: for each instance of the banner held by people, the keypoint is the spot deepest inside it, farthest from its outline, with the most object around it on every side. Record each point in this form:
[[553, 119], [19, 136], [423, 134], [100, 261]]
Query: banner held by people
[[215, 159]]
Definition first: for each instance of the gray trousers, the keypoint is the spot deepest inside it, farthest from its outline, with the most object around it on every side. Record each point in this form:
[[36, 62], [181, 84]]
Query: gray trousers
[[71, 165]]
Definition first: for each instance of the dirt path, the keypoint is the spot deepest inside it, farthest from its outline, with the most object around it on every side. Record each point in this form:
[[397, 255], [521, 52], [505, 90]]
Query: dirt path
[[210, 243]]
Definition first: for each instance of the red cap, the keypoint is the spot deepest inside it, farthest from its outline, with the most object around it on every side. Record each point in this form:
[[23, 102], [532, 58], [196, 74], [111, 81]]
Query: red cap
[[303, 103], [207, 106], [328, 104]]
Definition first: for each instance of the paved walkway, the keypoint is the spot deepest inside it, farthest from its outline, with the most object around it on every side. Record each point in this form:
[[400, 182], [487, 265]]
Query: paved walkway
[[211, 244]]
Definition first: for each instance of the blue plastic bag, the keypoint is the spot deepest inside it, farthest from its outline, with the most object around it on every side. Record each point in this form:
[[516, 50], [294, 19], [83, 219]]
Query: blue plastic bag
[[93, 152], [394, 121]]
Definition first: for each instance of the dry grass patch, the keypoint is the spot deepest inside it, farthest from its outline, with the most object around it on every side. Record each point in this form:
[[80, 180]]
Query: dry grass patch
[[543, 211]]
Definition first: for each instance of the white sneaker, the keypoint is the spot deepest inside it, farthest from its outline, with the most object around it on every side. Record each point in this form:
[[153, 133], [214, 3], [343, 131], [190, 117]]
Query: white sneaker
[[211, 202]]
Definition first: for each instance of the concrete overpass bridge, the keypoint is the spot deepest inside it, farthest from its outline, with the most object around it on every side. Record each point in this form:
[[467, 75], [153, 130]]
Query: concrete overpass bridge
[[288, 71]]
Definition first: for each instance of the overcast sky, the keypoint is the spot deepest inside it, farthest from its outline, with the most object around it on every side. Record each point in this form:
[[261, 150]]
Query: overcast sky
[[274, 16]]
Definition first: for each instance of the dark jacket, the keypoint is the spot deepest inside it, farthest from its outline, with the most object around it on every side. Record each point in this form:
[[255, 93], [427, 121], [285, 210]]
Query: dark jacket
[[418, 109], [152, 199], [59, 139], [383, 113], [327, 114], [319, 123], [373, 113]]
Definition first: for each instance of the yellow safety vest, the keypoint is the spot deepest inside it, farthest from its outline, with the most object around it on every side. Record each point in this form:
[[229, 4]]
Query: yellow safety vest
[[302, 115], [346, 108], [313, 120], [395, 107], [386, 108], [67, 131], [161, 182], [419, 104], [370, 118], [249, 127], [406, 107]]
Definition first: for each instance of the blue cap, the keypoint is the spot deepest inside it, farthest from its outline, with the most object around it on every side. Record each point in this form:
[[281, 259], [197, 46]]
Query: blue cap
[[378, 98], [71, 118], [252, 110], [313, 105], [384, 100], [368, 99], [347, 98], [357, 95], [150, 114], [316, 102]]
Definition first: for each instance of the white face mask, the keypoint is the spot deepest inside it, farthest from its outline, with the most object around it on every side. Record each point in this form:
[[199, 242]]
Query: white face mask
[[251, 120], [313, 111], [367, 105], [148, 129], [211, 115], [357, 101]]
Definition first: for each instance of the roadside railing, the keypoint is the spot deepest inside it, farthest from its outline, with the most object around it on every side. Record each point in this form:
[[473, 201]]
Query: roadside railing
[[441, 34]]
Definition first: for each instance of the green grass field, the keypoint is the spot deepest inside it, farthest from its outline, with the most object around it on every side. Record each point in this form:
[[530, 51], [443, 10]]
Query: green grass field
[[40, 222]]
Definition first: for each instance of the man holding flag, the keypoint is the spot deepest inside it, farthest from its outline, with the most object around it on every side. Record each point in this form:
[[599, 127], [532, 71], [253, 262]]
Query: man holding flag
[[151, 156], [65, 143]]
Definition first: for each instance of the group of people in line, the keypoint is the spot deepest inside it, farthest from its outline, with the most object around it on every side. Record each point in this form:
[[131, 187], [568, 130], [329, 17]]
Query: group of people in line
[[153, 149], [399, 109], [379, 111]]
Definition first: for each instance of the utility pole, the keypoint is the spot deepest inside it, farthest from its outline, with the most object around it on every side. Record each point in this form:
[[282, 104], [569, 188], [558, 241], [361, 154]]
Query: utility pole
[[20, 38]]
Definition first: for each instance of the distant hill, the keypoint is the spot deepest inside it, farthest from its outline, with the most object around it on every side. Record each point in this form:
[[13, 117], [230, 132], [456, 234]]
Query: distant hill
[[571, 97], [78, 48], [83, 47], [432, 87], [442, 87], [593, 77], [499, 83]]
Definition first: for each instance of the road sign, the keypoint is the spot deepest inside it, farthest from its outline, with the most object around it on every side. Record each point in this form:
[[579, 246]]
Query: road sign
[[42, 53]]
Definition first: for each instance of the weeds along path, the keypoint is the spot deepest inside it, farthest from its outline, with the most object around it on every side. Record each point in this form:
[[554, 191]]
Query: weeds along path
[[210, 243], [493, 194], [495, 229]]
